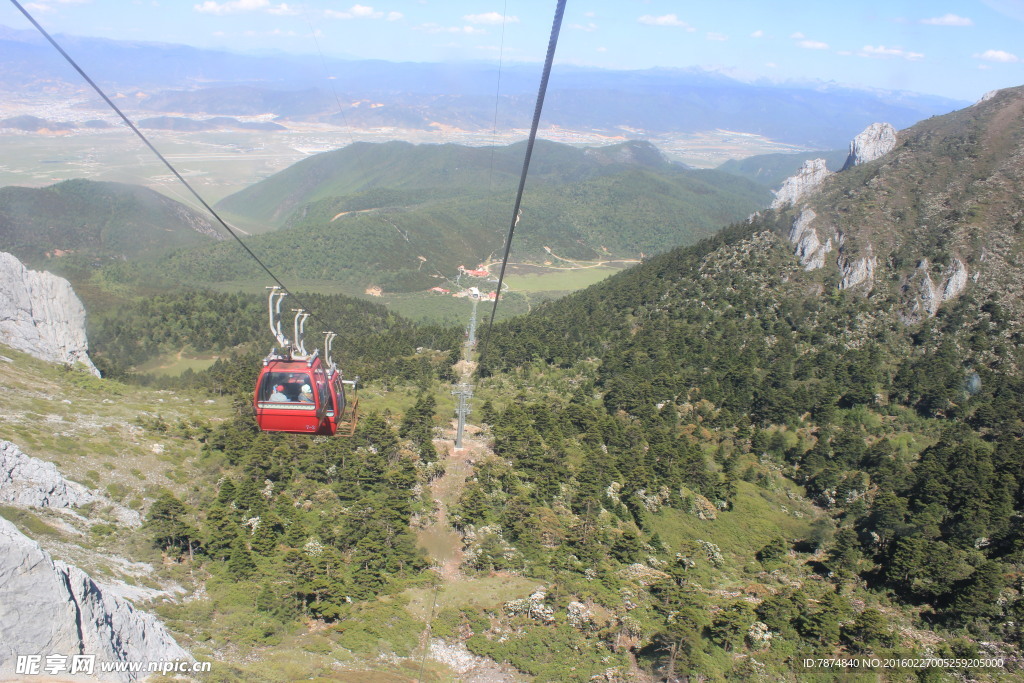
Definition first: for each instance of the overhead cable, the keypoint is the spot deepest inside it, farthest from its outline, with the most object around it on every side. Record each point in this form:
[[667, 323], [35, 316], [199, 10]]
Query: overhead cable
[[516, 212]]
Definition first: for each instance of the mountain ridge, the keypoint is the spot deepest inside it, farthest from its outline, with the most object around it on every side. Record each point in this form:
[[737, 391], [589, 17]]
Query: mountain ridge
[[182, 79]]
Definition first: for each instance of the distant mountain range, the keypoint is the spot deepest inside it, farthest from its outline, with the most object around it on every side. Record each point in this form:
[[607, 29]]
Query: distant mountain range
[[203, 83]]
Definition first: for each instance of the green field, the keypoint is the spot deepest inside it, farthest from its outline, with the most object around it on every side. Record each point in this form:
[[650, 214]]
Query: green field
[[172, 365], [538, 279]]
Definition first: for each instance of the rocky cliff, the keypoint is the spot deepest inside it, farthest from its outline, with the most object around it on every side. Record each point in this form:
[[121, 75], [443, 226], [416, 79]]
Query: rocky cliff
[[809, 177], [50, 608], [874, 142], [30, 482], [921, 217], [41, 315]]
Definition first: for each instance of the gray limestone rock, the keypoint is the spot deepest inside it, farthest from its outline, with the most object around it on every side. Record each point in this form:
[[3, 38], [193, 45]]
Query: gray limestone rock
[[48, 607], [28, 481], [811, 175], [807, 244], [857, 271], [956, 281], [873, 142], [41, 315]]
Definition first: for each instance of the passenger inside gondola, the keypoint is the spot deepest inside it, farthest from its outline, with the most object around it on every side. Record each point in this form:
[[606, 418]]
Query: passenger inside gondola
[[283, 387]]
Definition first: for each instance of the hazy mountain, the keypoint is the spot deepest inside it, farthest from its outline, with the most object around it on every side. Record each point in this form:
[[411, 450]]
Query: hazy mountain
[[96, 220], [368, 93]]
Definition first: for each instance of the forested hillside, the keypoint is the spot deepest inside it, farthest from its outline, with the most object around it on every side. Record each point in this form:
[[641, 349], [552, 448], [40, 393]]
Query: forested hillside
[[85, 221], [906, 431], [371, 342], [720, 463], [399, 215], [797, 440]]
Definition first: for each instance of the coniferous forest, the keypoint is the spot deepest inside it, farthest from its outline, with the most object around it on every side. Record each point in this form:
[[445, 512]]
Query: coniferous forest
[[728, 462], [717, 476]]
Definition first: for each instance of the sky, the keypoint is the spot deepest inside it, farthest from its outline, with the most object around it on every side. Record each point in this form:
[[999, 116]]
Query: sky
[[957, 49]]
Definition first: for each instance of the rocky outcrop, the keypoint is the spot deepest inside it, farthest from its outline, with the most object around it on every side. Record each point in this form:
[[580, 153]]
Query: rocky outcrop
[[807, 244], [875, 141], [956, 281], [48, 607], [41, 315], [926, 295], [811, 175], [856, 271], [28, 481]]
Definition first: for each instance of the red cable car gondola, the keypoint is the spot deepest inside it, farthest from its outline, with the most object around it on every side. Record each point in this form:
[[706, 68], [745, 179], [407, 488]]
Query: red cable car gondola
[[300, 392]]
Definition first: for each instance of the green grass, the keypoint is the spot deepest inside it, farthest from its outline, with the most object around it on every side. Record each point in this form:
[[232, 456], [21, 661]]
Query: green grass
[[172, 365], [30, 524], [558, 279], [755, 519], [486, 592], [86, 425]]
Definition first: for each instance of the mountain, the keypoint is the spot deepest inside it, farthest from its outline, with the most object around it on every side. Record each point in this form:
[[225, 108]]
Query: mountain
[[867, 341], [730, 462], [89, 220], [938, 216], [932, 226], [771, 170], [398, 215], [420, 96], [435, 172]]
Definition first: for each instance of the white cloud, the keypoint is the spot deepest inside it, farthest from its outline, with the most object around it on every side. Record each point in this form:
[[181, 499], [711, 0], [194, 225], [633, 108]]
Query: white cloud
[[998, 56], [490, 18], [601, 49], [437, 28], [44, 7], [588, 27], [883, 51], [362, 12], [948, 20], [813, 45], [757, 34], [665, 20], [232, 6], [283, 10], [717, 36], [797, 36]]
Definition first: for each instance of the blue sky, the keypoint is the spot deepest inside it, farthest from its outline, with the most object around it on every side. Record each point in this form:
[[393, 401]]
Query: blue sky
[[956, 49]]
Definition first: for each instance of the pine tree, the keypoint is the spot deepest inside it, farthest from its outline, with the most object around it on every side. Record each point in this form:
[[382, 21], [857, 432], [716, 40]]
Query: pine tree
[[240, 563], [221, 531]]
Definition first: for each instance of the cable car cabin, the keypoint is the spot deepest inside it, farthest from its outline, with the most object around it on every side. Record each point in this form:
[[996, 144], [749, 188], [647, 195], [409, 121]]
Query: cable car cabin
[[301, 396]]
